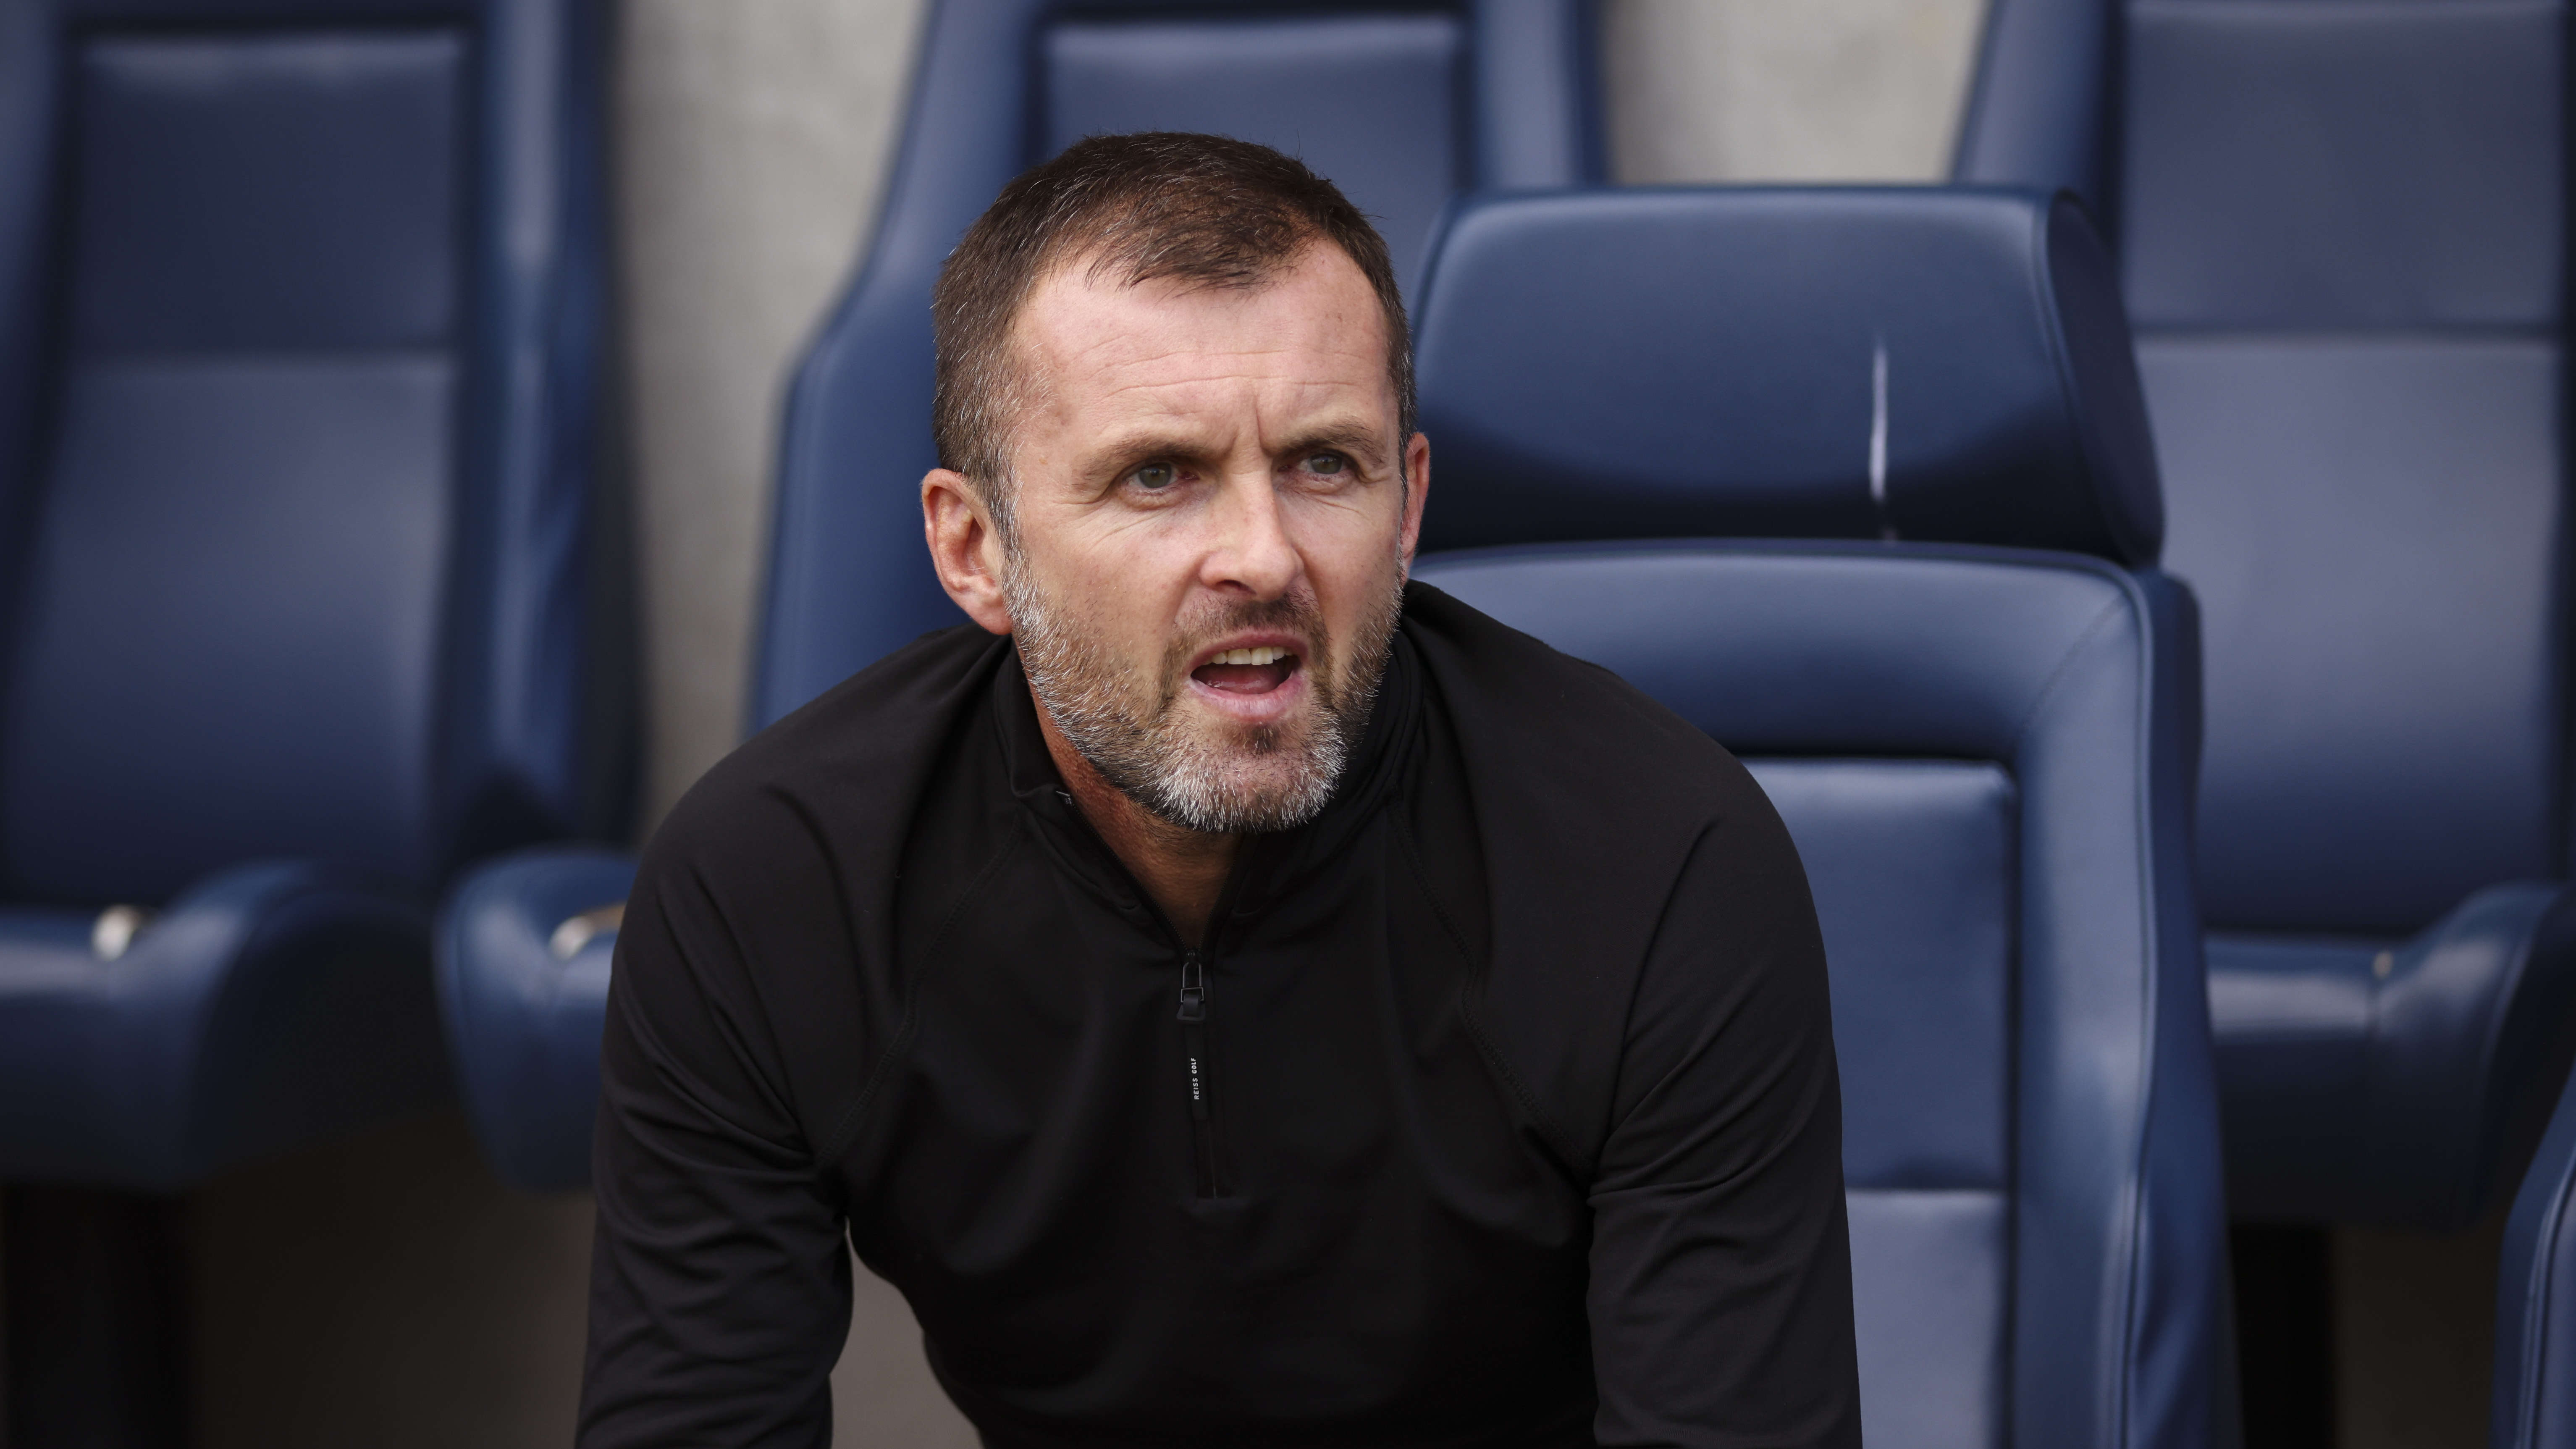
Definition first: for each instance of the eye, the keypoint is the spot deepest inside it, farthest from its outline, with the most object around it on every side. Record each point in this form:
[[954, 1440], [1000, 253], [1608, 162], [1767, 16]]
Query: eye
[[1327, 464], [1155, 477]]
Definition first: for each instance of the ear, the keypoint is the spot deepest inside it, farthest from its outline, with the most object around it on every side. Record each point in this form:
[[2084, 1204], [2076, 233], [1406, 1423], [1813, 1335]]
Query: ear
[[1417, 489], [964, 547]]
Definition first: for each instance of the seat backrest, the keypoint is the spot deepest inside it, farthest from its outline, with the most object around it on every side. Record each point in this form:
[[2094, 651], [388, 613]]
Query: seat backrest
[[1985, 393], [299, 309], [2341, 234], [1401, 104], [1982, 753]]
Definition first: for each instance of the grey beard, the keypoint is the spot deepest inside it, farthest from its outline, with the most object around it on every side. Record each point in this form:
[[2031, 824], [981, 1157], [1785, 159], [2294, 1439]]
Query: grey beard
[[1269, 779]]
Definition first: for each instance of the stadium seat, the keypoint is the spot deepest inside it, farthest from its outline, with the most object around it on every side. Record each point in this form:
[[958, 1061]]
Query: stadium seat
[[1983, 752], [2340, 232], [1402, 104], [2535, 1330], [300, 310]]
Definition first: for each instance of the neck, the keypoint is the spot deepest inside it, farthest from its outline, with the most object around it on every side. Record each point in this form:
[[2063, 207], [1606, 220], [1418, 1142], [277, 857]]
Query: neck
[[1184, 870]]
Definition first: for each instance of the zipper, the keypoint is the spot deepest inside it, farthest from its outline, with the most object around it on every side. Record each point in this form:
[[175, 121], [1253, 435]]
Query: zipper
[[1198, 1068], [1194, 1056]]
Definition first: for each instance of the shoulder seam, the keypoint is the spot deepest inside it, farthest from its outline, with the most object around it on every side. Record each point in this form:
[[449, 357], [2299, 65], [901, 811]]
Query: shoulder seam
[[1545, 1121], [1663, 914], [846, 1126]]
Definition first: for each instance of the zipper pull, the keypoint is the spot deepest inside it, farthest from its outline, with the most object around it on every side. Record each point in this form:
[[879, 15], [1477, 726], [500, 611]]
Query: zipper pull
[[1193, 988]]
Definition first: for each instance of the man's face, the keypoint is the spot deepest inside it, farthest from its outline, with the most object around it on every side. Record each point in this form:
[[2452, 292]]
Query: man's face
[[1212, 528]]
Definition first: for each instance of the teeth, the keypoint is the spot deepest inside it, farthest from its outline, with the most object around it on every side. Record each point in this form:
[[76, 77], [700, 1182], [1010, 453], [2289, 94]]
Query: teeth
[[1266, 654]]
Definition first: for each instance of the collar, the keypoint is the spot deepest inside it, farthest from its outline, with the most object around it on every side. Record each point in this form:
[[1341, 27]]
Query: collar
[[1272, 862]]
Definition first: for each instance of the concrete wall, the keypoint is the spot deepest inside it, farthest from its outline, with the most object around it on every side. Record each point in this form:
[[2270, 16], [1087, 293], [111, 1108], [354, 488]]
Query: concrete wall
[[392, 1294], [754, 139], [1807, 90]]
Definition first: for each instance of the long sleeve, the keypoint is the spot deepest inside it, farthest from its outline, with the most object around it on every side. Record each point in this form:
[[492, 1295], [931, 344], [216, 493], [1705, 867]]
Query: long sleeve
[[1720, 1298], [720, 1289]]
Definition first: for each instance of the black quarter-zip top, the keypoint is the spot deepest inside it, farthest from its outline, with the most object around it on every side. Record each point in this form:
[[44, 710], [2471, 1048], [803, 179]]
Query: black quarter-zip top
[[1495, 1107]]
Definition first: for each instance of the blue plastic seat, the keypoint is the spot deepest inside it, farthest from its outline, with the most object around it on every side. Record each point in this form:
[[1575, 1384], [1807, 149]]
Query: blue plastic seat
[[1402, 104], [301, 394], [299, 355], [2341, 237], [1983, 753]]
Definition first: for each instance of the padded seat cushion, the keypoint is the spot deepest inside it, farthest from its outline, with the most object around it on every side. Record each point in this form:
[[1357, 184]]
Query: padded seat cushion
[[231, 646], [269, 191], [1931, 1299], [229, 635], [1912, 863], [1812, 363]]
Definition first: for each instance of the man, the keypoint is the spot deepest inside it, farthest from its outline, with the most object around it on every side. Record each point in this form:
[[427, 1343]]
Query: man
[[1238, 997]]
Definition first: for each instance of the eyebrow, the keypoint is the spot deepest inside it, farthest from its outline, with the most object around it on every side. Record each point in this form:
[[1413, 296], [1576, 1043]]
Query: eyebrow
[[1146, 445], [1347, 438]]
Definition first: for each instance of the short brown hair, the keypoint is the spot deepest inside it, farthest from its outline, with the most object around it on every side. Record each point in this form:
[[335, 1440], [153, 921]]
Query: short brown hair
[[1208, 211]]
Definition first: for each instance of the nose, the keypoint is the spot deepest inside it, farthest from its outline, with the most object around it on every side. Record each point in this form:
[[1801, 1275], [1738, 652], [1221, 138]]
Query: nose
[[1252, 557]]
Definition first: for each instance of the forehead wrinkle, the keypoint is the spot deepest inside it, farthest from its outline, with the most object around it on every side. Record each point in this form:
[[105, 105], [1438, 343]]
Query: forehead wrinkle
[[1110, 334], [1211, 363], [1259, 386], [1181, 354]]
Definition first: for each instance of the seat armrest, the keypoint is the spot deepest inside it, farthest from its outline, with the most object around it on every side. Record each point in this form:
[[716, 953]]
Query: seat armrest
[[2394, 1083], [269, 1007], [524, 946]]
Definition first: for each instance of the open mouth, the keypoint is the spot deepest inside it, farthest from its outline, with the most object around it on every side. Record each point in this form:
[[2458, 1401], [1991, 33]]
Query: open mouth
[[1257, 670]]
